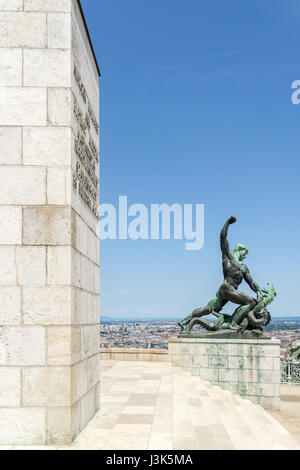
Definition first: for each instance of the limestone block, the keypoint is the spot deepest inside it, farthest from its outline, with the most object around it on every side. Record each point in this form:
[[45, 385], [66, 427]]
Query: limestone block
[[88, 408], [269, 350], [181, 360], [21, 185], [79, 376], [218, 361], [269, 376], [199, 360], [10, 67], [75, 419], [81, 307], [92, 245], [31, 265], [228, 375], [10, 305], [86, 341], [47, 68], [59, 186], [47, 225], [21, 29], [47, 5], [23, 106], [230, 349], [59, 345], [47, 146], [59, 426], [209, 374], [96, 339], [97, 396], [93, 375], [10, 386], [47, 305], [248, 375], [23, 425], [59, 30], [96, 279], [10, 145], [269, 403], [8, 275], [243, 362], [59, 265], [46, 386], [22, 346], [76, 269], [81, 235], [63, 266], [10, 225], [59, 106], [76, 344], [87, 274], [93, 309], [11, 5], [261, 389]]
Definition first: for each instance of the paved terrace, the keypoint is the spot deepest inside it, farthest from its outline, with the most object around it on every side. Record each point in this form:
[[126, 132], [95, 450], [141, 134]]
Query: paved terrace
[[152, 405]]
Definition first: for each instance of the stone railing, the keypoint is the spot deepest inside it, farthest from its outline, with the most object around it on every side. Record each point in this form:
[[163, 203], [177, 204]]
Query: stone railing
[[289, 372], [119, 354]]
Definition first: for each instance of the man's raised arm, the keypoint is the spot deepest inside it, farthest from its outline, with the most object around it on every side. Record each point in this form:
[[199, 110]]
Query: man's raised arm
[[223, 237]]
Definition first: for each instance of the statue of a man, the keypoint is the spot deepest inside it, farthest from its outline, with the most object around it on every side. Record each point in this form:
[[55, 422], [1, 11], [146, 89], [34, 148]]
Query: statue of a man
[[234, 273]]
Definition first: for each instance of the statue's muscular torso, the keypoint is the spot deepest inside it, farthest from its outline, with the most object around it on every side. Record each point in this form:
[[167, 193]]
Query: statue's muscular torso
[[233, 271]]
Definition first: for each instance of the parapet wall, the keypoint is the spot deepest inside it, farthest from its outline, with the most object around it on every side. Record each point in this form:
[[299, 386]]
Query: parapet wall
[[247, 367], [119, 354]]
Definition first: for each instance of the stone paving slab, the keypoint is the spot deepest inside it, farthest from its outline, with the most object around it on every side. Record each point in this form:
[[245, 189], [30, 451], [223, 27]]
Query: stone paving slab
[[155, 406]]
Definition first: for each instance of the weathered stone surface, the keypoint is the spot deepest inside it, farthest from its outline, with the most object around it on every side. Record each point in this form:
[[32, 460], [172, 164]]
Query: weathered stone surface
[[59, 186], [23, 106], [59, 426], [23, 425], [22, 29], [47, 146], [10, 225], [59, 345], [10, 305], [10, 67], [47, 5], [11, 5], [47, 305], [21, 185], [59, 265], [47, 225], [88, 408], [8, 274], [22, 346], [247, 367], [59, 30], [59, 106], [47, 68], [10, 386], [31, 265], [10, 145], [46, 386]]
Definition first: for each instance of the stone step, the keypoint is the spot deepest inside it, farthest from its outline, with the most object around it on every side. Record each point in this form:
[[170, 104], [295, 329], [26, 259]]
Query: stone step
[[246, 424]]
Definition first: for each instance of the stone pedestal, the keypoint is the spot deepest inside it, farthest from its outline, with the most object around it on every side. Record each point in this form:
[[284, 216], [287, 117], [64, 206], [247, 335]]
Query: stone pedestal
[[247, 367], [49, 244]]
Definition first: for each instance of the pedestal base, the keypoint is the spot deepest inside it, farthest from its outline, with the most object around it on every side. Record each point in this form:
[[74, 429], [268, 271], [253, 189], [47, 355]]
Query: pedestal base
[[247, 367]]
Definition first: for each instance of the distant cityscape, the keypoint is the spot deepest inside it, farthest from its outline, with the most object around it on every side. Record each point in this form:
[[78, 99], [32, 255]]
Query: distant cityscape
[[154, 334]]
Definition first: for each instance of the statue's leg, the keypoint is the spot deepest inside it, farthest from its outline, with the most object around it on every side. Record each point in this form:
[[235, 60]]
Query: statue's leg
[[247, 304]]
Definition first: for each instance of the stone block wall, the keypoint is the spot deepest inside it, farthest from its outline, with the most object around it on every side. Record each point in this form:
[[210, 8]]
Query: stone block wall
[[49, 233], [250, 368]]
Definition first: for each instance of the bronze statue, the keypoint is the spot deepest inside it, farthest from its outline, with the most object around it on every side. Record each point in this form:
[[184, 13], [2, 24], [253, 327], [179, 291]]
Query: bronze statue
[[251, 315]]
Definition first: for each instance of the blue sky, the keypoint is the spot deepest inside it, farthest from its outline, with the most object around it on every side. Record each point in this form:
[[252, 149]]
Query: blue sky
[[196, 108]]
